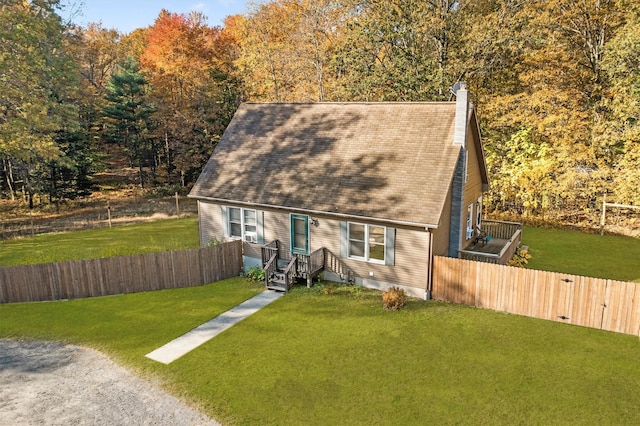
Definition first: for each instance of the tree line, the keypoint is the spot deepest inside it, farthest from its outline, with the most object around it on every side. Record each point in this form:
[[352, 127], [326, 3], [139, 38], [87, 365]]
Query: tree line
[[557, 85]]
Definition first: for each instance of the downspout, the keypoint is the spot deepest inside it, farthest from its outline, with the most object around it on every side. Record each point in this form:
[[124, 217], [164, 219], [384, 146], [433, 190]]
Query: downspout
[[428, 292]]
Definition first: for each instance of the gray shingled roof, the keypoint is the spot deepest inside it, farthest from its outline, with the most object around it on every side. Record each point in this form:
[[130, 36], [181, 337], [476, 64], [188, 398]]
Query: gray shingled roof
[[389, 161]]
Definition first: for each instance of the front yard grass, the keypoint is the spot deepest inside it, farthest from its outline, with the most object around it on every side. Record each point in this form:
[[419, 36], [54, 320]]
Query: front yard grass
[[609, 256], [339, 358]]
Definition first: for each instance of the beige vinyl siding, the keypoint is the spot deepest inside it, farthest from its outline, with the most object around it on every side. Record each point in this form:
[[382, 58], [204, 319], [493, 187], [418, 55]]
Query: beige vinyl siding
[[411, 245], [209, 222], [412, 258], [252, 250], [472, 188], [411, 249], [211, 225], [441, 235], [276, 227]]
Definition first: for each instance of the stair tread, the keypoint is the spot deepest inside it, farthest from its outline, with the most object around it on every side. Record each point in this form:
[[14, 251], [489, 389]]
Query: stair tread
[[277, 288]]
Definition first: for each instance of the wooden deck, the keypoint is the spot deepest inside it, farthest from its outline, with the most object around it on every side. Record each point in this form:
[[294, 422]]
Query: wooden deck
[[494, 246], [505, 240]]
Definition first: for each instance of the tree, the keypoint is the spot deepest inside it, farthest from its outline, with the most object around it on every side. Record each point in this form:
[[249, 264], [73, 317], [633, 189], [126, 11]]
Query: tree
[[97, 52], [264, 57], [522, 169], [621, 127], [128, 113], [188, 65], [38, 81], [541, 62], [401, 50]]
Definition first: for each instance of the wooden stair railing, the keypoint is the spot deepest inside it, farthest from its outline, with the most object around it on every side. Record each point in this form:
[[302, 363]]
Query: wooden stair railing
[[309, 266], [290, 273], [270, 269], [281, 279], [268, 250], [334, 264], [300, 266]]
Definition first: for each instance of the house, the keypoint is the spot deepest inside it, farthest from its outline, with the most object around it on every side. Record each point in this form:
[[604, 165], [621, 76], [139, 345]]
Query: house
[[364, 192]]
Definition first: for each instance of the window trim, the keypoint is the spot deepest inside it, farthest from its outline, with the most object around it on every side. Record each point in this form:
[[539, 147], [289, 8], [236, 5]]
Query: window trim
[[469, 233], [479, 213], [243, 225], [367, 246]]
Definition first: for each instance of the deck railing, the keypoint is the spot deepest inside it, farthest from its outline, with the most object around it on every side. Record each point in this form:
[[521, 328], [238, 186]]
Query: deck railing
[[510, 232], [500, 229]]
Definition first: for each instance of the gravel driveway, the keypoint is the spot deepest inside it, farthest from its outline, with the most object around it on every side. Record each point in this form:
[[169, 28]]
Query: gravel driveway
[[43, 383]]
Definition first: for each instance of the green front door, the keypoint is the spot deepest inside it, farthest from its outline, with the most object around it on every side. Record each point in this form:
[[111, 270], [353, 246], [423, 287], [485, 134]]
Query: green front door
[[299, 234]]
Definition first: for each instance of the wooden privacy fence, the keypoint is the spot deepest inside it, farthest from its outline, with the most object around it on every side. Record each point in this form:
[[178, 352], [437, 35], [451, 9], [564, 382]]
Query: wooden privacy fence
[[119, 275], [590, 302]]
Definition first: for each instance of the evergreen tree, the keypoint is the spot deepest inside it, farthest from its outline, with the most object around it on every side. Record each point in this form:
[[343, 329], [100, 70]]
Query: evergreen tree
[[128, 115]]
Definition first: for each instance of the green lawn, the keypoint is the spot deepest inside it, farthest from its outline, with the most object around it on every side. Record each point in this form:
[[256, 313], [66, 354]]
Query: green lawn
[[172, 234], [609, 256], [313, 358]]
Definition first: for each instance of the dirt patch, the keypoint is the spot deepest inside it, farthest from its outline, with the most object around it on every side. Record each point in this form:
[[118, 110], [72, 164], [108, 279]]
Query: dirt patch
[[44, 383]]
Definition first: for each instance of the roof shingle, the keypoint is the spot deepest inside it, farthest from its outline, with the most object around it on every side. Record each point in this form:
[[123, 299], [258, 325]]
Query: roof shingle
[[389, 161]]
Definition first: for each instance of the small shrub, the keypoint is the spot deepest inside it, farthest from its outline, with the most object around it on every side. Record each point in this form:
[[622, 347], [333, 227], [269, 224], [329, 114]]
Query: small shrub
[[356, 290], [214, 242], [520, 258], [255, 274], [329, 289], [394, 299]]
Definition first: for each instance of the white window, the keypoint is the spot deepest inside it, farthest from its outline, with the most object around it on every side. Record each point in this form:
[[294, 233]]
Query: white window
[[366, 242], [479, 213], [470, 221], [242, 223]]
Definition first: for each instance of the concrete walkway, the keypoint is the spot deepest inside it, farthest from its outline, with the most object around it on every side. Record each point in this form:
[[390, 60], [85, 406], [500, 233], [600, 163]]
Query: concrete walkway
[[199, 335]]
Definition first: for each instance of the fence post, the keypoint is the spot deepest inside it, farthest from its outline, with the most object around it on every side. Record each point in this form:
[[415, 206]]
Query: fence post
[[604, 303], [604, 210]]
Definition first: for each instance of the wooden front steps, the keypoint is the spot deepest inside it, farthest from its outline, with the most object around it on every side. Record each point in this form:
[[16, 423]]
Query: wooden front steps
[[277, 281], [281, 272]]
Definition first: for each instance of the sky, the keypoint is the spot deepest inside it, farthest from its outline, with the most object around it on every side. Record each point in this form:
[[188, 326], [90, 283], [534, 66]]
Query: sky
[[127, 15]]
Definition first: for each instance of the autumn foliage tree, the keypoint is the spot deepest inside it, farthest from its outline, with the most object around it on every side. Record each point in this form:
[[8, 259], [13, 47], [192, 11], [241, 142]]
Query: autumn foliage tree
[[556, 84], [186, 63]]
